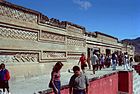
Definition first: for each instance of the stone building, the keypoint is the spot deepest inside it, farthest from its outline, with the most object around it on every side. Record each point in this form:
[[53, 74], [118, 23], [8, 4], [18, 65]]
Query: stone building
[[30, 42], [106, 44]]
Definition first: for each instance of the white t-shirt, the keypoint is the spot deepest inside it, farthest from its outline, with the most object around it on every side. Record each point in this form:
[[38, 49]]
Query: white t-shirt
[[94, 59]]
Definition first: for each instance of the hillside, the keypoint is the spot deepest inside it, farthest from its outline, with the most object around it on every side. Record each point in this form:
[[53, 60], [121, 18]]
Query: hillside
[[135, 43]]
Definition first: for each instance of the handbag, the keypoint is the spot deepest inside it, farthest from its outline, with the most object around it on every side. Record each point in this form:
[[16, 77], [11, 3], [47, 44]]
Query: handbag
[[50, 84]]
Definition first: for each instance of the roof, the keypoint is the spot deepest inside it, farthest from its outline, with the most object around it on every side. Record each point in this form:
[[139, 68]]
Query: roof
[[97, 32], [42, 18], [4, 2]]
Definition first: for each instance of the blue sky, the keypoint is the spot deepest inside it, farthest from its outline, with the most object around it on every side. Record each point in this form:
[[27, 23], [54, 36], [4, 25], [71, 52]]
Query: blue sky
[[119, 18]]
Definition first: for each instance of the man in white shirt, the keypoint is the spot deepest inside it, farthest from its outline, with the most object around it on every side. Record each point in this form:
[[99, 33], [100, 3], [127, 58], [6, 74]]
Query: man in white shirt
[[94, 61], [126, 61]]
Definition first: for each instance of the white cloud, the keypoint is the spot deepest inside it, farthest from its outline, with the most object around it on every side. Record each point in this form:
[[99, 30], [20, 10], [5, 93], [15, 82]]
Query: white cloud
[[84, 4]]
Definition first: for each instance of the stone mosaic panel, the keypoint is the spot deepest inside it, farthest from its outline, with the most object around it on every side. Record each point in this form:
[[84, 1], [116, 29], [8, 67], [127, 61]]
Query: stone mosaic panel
[[74, 58], [75, 42], [73, 55], [17, 14], [6, 32], [52, 37], [53, 54], [19, 58]]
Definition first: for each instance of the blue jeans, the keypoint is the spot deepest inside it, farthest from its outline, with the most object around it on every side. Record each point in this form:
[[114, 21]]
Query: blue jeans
[[79, 92], [58, 86]]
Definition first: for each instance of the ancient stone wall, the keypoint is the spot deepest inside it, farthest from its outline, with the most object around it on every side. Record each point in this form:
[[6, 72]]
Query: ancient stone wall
[[31, 43]]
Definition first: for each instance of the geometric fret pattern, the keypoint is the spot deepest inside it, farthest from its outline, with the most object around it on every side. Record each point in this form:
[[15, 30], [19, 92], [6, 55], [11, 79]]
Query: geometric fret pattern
[[19, 58], [17, 34], [75, 42], [17, 14], [52, 37], [53, 54]]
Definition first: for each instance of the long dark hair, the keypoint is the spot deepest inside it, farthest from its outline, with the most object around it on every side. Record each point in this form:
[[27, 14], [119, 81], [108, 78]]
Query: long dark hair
[[0, 67], [57, 66]]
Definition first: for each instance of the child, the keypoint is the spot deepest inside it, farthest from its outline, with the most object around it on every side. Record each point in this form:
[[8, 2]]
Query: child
[[78, 82]]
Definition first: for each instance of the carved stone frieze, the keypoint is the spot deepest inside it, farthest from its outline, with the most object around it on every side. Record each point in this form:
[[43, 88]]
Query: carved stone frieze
[[73, 55], [6, 32], [74, 58], [19, 58], [17, 14], [53, 54], [75, 42], [52, 37]]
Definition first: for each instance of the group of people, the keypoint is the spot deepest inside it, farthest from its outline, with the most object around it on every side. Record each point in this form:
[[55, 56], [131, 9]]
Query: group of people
[[4, 78], [78, 83], [99, 61]]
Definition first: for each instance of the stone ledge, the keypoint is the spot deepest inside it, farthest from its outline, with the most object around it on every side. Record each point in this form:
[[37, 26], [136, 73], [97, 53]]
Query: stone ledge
[[48, 91]]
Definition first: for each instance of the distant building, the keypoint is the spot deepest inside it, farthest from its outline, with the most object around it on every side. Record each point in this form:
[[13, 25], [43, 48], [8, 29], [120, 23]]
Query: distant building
[[30, 42]]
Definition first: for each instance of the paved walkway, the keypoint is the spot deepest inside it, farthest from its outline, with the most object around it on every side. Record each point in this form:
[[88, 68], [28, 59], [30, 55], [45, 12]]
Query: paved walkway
[[33, 85]]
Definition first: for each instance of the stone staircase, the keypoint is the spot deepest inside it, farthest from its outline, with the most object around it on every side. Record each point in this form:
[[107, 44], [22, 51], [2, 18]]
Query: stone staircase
[[136, 82]]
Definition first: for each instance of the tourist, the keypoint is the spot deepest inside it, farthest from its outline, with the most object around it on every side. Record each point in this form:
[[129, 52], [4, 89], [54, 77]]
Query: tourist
[[55, 77], [120, 59], [108, 60], [82, 60], [114, 61], [131, 62], [94, 61], [102, 60], [78, 82], [4, 77], [0, 80], [88, 62], [126, 61], [98, 61]]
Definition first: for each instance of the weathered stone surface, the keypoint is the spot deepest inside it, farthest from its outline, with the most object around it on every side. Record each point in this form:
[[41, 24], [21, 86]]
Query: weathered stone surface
[[30, 42]]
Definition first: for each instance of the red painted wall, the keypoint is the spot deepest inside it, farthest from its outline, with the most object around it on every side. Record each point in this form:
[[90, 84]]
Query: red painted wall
[[108, 84], [125, 79], [130, 81], [105, 85]]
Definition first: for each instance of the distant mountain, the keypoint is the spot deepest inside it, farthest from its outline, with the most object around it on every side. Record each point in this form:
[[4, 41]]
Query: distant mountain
[[135, 43]]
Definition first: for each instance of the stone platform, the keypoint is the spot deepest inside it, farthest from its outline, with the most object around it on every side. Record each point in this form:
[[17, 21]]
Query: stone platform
[[40, 83]]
